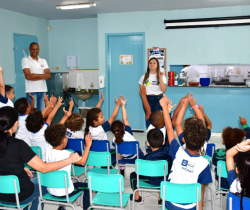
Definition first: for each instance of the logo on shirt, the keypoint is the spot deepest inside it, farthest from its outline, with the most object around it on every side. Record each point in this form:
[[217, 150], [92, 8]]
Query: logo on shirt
[[188, 166], [42, 65], [147, 83], [69, 134], [154, 82]]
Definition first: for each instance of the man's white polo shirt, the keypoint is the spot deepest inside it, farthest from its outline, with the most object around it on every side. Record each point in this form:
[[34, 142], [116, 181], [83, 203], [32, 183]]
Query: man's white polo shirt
[[36, 67]]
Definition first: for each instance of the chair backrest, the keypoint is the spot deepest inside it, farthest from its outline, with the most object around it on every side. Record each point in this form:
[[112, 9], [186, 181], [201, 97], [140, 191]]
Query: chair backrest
[[75, 144], [54, 179], [233, 202], [151, 168], [7, 184], [105, 183], [37, 150], [208, 159], [180, 193], [100, 146], [223, 166], [128, 147], [210, 149], [99, 159]]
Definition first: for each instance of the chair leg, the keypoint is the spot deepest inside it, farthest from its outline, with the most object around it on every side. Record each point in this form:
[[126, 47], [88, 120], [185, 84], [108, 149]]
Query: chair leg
[[134, 199], [220, 200], [142, 197], [128, 204]]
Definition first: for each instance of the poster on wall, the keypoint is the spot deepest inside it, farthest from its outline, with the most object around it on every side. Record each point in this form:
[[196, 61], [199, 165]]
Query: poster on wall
[[126, 59], [161, 55]]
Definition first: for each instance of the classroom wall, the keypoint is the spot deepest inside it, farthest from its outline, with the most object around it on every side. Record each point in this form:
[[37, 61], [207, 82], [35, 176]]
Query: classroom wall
[[187, 46], [12, 22]]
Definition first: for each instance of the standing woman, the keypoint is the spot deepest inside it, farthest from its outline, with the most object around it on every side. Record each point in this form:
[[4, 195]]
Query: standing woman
[[155, 83]]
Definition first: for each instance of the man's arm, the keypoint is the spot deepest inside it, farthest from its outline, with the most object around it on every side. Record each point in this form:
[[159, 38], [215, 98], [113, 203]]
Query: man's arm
[[2, 86], [36, 77]]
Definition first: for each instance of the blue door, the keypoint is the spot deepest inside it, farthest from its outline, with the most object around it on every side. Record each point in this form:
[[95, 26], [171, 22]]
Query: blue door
[[21, 49], [123, 79]]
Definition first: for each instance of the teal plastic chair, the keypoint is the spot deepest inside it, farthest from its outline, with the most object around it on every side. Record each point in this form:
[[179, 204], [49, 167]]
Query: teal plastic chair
[[55, 179], [157, 168], [109, 189], [10, 185], [180, 193], [208, 159], [77, 171], [100, 159], [38, 151], [221, 173]]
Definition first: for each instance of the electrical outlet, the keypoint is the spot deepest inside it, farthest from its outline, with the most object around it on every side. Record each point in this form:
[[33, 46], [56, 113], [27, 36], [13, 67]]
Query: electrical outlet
[[57, 68]]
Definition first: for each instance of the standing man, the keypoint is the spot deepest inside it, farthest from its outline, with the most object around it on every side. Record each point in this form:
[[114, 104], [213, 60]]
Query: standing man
[[36, 73]]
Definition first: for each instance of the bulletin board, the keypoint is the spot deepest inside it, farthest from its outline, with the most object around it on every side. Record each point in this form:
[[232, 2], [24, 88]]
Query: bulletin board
[[161, 56]]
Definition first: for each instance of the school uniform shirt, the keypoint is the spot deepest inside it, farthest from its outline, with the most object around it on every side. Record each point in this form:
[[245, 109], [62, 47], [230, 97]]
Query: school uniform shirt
[[22, 132], [53, 155], [204, 147], [75, 135], [5, 101], [12, 163], [234, 182], [152, 88], [99, 132], [187, 169], [128, 136], [36, 67], [38, 139]]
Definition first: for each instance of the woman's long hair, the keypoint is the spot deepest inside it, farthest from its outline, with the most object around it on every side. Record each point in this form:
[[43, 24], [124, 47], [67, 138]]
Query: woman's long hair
[[117, 129], [243, 165], [148, 71], [8, 117]]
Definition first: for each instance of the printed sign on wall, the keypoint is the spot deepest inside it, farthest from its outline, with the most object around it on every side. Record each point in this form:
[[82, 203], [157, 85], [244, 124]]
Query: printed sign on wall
[[126, 59]]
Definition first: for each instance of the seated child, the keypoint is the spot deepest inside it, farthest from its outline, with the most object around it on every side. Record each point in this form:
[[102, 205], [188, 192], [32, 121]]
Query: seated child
[[155, 119], [231, 137], [188, 166], [155, 140], [238, 178], [56, 136], [23, 107], [6, 92], [36, 125], [123, 133]]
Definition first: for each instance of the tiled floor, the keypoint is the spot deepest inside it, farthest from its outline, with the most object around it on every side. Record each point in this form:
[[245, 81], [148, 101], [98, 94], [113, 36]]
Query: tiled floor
[[150, 199]]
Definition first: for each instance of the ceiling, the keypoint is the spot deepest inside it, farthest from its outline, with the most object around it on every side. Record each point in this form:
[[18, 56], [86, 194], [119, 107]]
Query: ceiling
[[47, 8]]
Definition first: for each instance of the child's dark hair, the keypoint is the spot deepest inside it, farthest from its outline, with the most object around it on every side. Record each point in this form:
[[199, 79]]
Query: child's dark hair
[[232, 136], [118, 130], [55, 134], [156, 118], [21, 105], [195, 133], [243, 165], [92, 116], [75, 122], [8, 89], [34, 122], [8, 117], [155, 138]]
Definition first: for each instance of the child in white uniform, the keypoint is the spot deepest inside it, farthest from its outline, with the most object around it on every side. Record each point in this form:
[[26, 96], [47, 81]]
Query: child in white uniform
[[188, 166], [23, 107], [56, 136], [238, 178], [6, 92], [74, 125]]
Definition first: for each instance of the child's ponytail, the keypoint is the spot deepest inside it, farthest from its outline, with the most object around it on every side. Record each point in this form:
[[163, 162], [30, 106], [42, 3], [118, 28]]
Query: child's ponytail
[[8, 117], [118, 130], [92, 116]]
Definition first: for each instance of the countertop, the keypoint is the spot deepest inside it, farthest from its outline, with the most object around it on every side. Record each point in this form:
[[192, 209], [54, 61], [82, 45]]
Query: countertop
[[214, 86]]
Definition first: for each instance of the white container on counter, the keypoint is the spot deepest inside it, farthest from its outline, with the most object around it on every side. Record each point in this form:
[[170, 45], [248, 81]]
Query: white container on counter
[[236, 78]]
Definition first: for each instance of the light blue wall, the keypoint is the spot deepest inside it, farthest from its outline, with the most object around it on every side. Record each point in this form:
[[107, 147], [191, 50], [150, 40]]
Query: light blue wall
[[73, 37], [188, 46], [10, 23]]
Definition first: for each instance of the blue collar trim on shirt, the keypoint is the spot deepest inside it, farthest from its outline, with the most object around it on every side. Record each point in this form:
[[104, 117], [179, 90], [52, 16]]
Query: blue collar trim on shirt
[[21, 115], [191, 155]]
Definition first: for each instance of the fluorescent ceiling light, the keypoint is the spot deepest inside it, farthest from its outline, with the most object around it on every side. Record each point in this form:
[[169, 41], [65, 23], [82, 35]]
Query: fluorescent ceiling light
[[75, 6]]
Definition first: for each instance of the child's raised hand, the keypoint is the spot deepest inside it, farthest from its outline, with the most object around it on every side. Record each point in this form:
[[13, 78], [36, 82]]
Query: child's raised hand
[[192, 102], [170, 107], [71, 103], [119, 101], [88, 140], [59, 101], [143, 90], [102, 96], [66, 113], [189, 95], [243, 121], [164, 101], [31, 96], [1, 70], [124, 102]]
